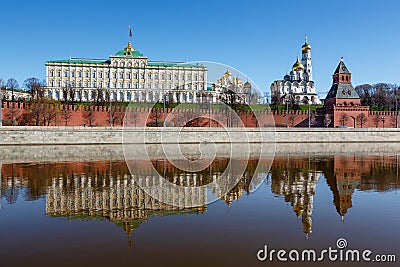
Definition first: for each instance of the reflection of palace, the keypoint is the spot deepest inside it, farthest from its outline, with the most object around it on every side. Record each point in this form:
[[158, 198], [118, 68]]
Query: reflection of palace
[[119, 199], [298, 187]]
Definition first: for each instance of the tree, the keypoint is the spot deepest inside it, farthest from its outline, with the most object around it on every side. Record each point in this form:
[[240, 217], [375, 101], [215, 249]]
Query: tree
[[292, 118], [327, 120], [377, 119], [13, 85], [343, 118], [66, 114], [35, 86], [361, 119], [89, 115]]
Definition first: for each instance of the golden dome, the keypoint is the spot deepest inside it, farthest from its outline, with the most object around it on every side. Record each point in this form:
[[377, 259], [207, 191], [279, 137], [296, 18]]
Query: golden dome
[[306, 47], [227, 73], [297, 66]]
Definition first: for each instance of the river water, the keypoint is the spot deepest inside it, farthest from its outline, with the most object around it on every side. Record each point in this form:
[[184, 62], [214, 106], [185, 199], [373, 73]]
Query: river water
[[91, 212]]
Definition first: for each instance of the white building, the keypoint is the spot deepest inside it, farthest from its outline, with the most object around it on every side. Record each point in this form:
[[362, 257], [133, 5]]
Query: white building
[[298, 85], [128, 76]]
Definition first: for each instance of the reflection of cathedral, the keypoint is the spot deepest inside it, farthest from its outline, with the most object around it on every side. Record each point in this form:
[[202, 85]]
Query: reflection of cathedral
[[298, 86], [298, 187]]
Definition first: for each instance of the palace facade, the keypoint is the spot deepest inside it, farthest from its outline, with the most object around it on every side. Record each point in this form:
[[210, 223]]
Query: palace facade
[[126, 76], [298, 86]]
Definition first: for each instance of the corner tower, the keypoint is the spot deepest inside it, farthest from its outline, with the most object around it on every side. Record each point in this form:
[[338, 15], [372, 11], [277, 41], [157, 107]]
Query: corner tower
[[342, 91]]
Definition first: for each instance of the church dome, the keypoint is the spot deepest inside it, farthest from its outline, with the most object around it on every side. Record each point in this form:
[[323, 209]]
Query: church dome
[[247, 85], [297, 66], [129, 51], [306, 47], [227, 73]]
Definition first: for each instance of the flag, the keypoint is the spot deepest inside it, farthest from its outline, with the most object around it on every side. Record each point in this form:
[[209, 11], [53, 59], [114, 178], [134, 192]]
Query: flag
[[130, 31]]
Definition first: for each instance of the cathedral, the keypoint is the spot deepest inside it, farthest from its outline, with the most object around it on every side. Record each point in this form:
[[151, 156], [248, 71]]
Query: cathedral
[[297, 86]]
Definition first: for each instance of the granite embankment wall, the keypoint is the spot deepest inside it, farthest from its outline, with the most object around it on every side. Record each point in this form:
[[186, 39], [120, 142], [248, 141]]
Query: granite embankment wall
[[35, 135]]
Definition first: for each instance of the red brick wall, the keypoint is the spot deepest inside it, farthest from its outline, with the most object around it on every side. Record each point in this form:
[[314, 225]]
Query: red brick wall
[[142, 116]]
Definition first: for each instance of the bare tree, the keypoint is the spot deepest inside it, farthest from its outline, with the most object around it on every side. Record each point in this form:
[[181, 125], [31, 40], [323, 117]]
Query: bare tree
[[292, 118], [361, 119], [89, 115], [343, 118], [35, 86], [66, 114], [13, 85], [377, 119], [327, 120]]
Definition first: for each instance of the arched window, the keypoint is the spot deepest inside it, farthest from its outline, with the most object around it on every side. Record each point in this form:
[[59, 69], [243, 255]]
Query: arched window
[[121, 96]]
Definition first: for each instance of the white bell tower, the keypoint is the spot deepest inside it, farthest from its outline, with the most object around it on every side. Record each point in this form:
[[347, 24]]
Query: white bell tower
[[306, 60]]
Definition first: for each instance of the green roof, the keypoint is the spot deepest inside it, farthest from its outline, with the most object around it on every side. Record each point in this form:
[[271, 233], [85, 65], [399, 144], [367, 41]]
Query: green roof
[[134, 53], [80, 61], [173, 64]]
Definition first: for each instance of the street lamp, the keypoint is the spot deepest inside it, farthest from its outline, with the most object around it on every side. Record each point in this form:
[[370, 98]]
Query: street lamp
[[309, 114], [383, 121]]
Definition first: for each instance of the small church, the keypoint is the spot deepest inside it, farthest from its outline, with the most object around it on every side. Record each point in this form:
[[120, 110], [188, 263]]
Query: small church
[[342, 103]]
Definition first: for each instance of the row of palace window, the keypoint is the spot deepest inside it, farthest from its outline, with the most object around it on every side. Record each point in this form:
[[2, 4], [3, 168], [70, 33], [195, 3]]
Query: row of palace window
[[85, 96], [127, 75], [126, 85]]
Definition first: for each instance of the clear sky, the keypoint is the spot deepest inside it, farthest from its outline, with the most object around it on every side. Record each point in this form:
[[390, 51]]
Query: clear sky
[[260, 38]]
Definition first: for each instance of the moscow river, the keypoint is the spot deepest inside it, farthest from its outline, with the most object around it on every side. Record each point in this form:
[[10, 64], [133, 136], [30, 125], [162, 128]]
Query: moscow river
[[91, 211]]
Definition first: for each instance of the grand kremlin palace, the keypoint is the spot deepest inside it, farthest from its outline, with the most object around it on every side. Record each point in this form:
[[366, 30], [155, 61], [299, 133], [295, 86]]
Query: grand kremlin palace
[[127, 76]]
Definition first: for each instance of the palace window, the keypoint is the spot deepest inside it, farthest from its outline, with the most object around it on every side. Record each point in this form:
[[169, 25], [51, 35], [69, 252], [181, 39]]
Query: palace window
[[135, 75], [201, 77], [52, 83], [73, 84], [142, 75], [128, 96], [94, 85], [129, 85], [115, 85], [86, 84], [121, 96], [65, 73], [121, 85], [156, 76], [149, 86], [87, 74], [94, 75], [183, 77], [156, 85], [176, 76], [101, 75], [121, 75], [149, 76], [142, 85], [108, 85], [129, 75], [195, 87], [162, 77], [51, 73], [136, 85], [162, 86], [189, 77], [80, 84], [196, 77], [169, 86], [114, 96], [101, 84], [107, 75], [65, 84], [170, 77], [57, 95], [72, 74], [115, 75], [80, 74], [58, 73]]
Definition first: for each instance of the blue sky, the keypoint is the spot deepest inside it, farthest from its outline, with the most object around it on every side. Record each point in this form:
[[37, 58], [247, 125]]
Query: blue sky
[[260, 38]]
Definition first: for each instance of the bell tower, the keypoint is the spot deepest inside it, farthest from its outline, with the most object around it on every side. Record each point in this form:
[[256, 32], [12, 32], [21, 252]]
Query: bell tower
[[306, 60]]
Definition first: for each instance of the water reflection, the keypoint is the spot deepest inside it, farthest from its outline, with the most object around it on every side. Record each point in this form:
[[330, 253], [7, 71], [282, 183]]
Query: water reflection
[[106, 189]]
